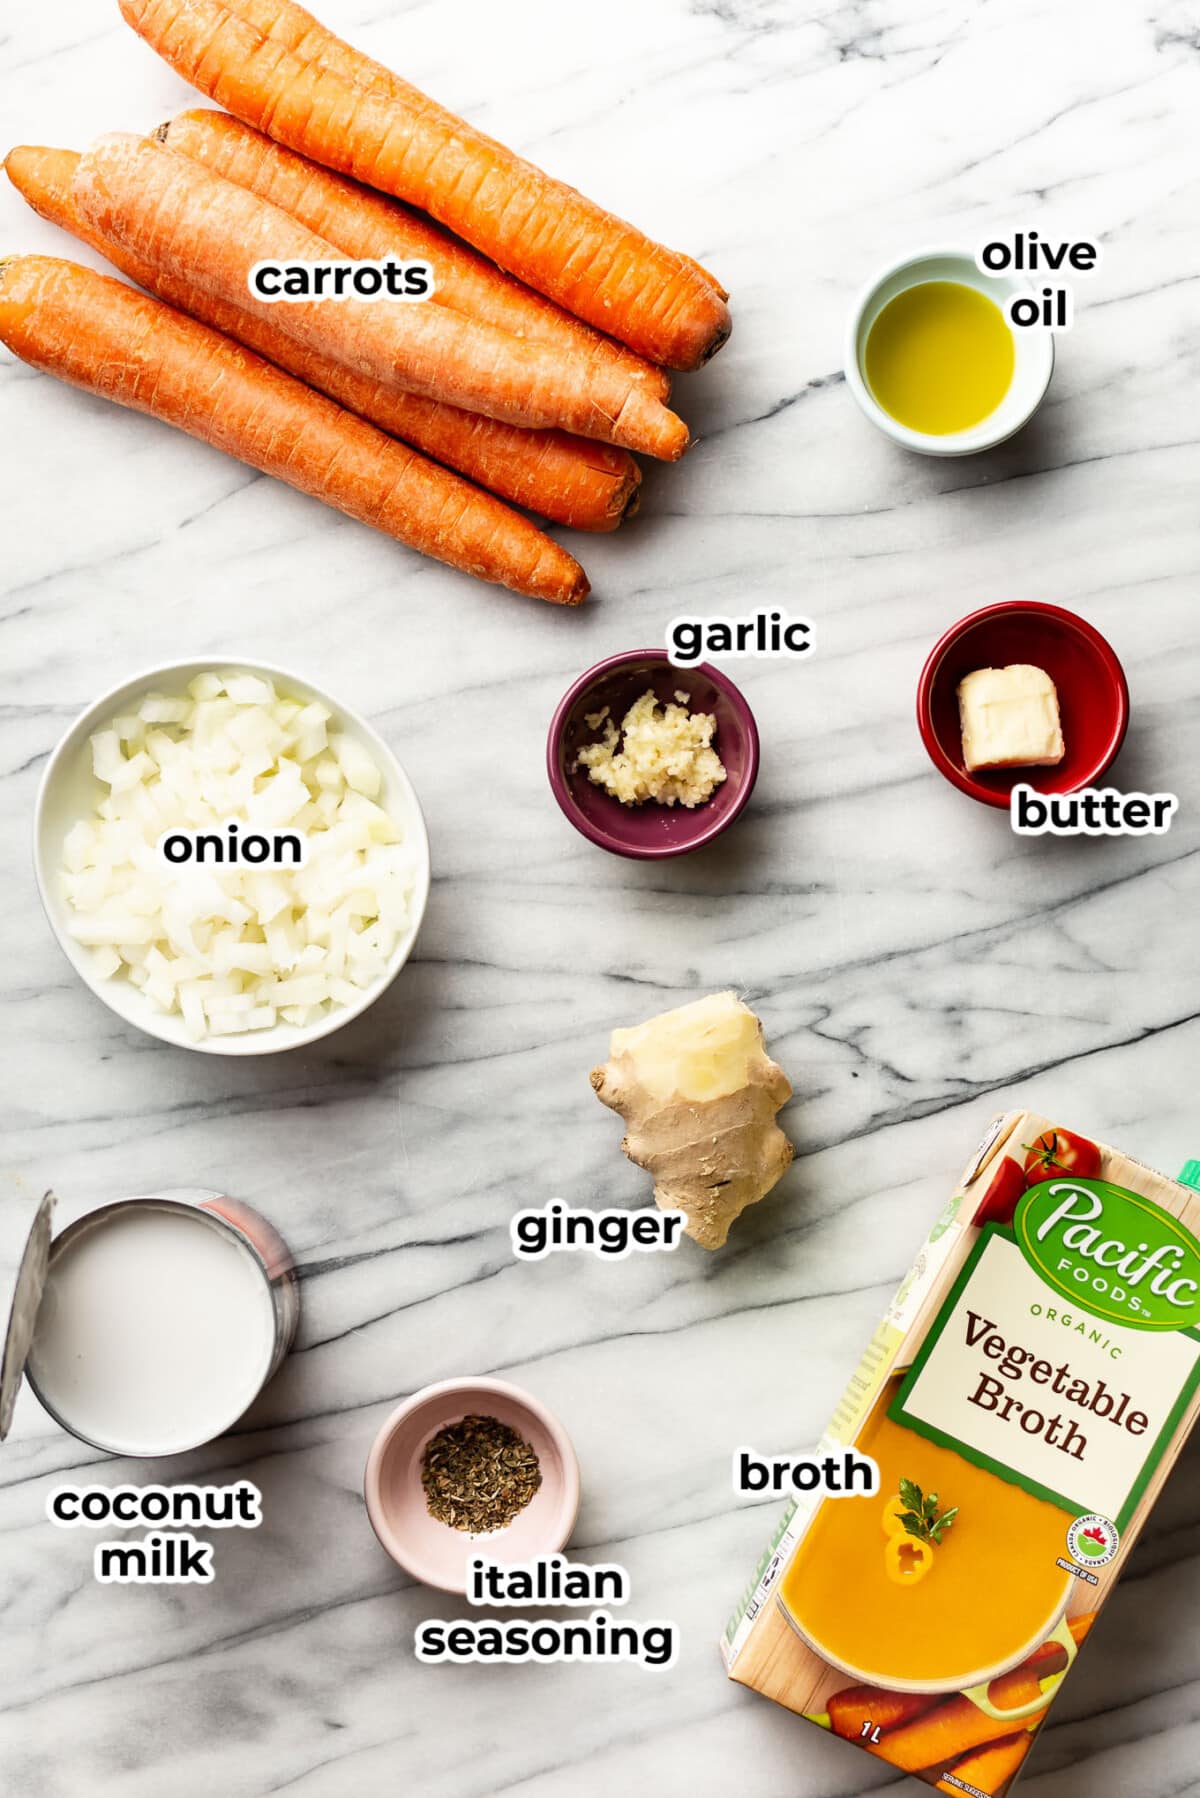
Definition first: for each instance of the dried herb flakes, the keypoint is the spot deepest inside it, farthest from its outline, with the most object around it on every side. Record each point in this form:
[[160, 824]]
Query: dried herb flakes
[[478, 1474]]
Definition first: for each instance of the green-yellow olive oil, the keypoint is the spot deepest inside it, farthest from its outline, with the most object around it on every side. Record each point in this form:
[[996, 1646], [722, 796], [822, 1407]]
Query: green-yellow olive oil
[[940, 357]]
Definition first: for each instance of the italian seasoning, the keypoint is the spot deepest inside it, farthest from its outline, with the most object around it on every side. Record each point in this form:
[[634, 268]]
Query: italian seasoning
[[478, 1474]]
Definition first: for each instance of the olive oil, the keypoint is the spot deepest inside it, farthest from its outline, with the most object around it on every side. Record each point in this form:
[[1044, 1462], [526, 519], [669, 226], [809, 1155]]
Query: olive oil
[[940, 357]]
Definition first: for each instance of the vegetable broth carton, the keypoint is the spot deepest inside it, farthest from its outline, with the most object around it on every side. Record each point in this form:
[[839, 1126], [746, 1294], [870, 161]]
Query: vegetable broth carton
[[1023, 1401]]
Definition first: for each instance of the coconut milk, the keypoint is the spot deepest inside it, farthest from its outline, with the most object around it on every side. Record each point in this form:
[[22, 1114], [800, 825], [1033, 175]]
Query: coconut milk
[[156, 1330]]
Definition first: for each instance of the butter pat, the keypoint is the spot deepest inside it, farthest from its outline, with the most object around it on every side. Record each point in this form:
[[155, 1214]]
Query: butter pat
[[1009, 718]]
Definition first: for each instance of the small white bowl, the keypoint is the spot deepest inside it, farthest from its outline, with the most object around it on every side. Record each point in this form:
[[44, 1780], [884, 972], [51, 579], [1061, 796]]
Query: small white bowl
[[1032, 370], [69, 791]]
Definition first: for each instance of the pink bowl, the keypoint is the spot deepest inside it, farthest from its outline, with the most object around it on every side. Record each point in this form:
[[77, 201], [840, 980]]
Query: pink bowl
[[433, 1552], [649, 831], [1092, 692]]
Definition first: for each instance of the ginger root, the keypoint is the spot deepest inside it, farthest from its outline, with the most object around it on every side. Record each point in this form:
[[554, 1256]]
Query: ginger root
[[698, 1093]]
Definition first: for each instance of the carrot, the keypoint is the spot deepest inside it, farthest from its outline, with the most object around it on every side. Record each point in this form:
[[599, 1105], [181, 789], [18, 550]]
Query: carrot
[[591, 486], [722, 293], [172, 211], [849, 1710], [957, 1727], [299, 31], [393, 137], [990, 1769], [289, 24], [365, 224], [97, 334]]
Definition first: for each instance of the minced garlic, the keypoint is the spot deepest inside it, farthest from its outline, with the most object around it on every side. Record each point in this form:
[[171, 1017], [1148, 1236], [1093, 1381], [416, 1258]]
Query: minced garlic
[[665, 755]]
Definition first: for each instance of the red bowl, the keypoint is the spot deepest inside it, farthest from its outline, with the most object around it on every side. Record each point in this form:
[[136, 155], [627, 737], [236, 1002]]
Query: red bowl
[[1093, 695], [650, 831]]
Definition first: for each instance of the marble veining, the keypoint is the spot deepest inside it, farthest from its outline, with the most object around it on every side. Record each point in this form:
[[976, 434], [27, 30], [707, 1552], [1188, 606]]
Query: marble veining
[[915, 967]]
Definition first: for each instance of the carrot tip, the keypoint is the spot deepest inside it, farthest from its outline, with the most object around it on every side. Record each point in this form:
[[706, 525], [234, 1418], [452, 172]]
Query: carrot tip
[[721, 338], [577, 592]]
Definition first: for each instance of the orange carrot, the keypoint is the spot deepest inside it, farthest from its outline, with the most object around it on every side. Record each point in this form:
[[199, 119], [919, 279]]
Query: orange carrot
[[855, 1705], [394, 138], [366, 224], [299, 31], [97, 334], [849, 1710], [990, 1769], [591, 486], [722, 293], [958, 1727], [175, 212]]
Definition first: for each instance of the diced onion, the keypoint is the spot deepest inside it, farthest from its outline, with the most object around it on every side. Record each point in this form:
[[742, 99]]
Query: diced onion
[[235, 947]]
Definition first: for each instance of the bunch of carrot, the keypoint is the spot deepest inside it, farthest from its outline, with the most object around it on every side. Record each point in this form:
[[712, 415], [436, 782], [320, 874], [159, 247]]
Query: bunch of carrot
[[527, 380], [921, 1732]]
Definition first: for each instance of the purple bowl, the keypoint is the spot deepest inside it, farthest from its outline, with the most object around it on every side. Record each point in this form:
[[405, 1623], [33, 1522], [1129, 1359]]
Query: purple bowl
[[649, 831]]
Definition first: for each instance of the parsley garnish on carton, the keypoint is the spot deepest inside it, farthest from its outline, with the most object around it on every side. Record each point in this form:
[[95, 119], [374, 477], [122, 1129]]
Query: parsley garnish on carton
[[921, 1517]]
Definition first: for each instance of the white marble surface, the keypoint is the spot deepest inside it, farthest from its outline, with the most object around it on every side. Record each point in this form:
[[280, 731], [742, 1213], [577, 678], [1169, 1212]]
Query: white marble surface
[[915, 968]]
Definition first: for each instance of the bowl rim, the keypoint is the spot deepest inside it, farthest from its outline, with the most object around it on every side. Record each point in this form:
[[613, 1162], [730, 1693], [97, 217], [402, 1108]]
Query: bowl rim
[[957, 776], [251, 1042], [609, 839], [393, 1543], [950, 1683], [977, 438]]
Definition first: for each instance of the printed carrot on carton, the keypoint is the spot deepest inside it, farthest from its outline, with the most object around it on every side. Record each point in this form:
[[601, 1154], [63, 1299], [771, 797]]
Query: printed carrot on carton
[[95, 333], [958, 1726], [878, 1708], [989, 1769], [366, 224], [871, 1707], [179, 214], [591, 486], [393, 137]]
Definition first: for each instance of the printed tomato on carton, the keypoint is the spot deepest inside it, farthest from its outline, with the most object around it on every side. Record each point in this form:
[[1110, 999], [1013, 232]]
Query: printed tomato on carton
[[1057, 1152], [1052, 1153], [1005, 1188]]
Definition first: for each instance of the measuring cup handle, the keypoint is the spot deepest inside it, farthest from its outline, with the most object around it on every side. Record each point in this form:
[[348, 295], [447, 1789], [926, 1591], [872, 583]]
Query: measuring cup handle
[[978, 1695]]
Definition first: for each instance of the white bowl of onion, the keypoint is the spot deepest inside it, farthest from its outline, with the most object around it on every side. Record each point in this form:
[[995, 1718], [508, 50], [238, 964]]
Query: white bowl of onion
[[230, 959]]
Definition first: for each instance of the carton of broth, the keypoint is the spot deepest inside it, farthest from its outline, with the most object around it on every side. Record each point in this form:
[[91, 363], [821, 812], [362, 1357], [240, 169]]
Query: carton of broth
[[1023, 1399]]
